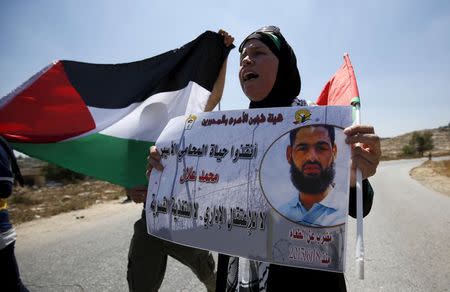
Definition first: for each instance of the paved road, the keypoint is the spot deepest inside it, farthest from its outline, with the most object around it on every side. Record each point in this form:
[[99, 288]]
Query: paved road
[[407, 242], [407, 235], [64, 253]]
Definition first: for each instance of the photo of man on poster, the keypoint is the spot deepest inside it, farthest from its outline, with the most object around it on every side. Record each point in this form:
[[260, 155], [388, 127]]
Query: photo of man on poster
[[311, 154]]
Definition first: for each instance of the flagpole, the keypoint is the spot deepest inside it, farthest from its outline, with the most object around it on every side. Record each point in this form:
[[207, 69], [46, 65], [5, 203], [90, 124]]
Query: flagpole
[[359, 205], [356, 103], [342, 89]]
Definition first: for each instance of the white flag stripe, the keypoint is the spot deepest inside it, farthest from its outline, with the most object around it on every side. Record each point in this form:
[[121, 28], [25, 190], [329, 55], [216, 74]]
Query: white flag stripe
[[144, 121], [105, 117], [148, 119]]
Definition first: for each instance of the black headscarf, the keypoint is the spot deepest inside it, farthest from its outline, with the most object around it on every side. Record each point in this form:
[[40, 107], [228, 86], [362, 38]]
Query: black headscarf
[[287, 84]]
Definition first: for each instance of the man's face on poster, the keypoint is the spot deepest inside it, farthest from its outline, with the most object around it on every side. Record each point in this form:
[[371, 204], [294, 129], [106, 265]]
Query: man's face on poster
[[311, 155]]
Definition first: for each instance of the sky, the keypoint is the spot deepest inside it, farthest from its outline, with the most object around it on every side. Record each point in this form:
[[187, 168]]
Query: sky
[[400, 50]]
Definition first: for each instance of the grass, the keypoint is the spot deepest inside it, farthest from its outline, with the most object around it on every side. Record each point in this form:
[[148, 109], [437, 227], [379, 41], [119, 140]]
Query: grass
[[28, 203], [434, 174], [441, 167]]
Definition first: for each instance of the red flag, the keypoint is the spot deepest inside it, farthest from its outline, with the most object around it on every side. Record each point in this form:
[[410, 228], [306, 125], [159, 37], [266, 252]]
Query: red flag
[[45, 109], [341, 89]]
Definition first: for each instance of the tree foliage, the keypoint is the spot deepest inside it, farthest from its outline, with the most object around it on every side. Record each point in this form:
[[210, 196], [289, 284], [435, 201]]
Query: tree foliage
[[419, 143], [408, 150]]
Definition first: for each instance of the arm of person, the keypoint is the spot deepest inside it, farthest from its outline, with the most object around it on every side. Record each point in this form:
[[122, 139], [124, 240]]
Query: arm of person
[[367, 199], [5, 189], [137, 194], [217, 91], [366, 153], [6, 176]]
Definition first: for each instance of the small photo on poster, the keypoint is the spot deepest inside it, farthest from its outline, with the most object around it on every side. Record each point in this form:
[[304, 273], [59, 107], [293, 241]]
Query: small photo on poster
[[304, 175]]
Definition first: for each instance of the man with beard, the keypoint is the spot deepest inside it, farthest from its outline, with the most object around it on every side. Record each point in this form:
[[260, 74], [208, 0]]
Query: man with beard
[[311, 154]]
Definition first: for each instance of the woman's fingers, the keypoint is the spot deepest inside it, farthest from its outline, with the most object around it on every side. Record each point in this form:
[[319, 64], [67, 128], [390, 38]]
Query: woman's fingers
[[153, 161], [366, 148], [227, 38]]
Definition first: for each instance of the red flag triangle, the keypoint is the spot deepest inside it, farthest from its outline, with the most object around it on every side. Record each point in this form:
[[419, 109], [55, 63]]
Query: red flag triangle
[[341, 89]]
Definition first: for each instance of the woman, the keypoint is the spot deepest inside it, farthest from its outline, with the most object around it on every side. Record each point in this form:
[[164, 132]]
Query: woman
[[269, 78]]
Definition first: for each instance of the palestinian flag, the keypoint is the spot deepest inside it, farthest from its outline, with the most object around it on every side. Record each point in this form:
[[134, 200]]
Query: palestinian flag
[[342, 88], [100, 119]]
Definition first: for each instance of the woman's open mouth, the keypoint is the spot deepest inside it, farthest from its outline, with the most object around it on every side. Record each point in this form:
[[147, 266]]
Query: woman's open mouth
[[250, 76]]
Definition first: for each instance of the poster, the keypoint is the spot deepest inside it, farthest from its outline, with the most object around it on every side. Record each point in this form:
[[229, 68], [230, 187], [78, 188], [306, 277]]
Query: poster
[[264, 184]]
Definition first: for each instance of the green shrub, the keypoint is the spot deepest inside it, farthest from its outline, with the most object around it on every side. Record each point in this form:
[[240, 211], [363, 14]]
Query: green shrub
[[408, 150], [419, 143]]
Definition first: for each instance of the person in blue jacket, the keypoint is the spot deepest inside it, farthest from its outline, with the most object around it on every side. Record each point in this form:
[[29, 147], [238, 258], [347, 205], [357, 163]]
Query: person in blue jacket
[[9, 271]]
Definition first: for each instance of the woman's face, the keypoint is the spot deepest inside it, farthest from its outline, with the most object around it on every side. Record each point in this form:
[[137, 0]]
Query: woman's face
[[258, 70]]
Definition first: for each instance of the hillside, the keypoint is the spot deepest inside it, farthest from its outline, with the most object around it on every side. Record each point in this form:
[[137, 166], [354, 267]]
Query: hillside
[[392, 147]]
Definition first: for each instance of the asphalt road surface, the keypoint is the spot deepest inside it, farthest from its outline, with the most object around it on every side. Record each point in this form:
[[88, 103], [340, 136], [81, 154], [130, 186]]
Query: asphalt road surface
[[407, 235], [407, 243]]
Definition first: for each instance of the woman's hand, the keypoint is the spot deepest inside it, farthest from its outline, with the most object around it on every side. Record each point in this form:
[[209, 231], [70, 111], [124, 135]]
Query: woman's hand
[[137, 194], [228, 39], [153, 161], [366, 150]]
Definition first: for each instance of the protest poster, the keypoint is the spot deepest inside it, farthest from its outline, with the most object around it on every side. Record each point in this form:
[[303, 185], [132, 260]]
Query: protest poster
[[264, 184]]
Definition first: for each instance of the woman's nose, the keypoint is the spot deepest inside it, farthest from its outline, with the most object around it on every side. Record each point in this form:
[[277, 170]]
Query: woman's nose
[[246, 60]]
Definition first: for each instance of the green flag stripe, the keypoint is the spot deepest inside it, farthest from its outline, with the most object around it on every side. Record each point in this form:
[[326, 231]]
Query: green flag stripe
[[116, 160]]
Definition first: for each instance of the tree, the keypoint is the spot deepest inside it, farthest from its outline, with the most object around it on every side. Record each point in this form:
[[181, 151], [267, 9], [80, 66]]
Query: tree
[[409, 150], [425, 142], [419, 143]]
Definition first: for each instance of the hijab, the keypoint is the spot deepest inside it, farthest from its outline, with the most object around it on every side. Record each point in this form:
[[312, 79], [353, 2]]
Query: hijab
[[287, 84]]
